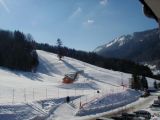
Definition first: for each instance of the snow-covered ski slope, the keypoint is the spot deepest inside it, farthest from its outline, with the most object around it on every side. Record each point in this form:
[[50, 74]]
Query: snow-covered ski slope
[[17, 86], [27, 95]]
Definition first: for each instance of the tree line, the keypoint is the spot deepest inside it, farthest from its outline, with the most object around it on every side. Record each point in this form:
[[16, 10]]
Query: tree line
[[138, 82], [17, 51], [94, 59]]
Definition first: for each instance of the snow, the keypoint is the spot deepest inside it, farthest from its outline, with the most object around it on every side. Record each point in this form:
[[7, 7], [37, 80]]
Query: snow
[[67, 111], [108, 102], [153, 68], [140, 104], [98, 49], [26, 95], [120, 40], [111, 43]]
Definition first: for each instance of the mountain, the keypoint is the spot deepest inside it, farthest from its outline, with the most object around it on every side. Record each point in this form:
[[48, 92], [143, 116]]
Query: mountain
[[142, 47]]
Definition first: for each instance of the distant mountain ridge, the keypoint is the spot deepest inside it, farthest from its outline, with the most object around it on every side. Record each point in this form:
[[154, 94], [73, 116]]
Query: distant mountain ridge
[[140, 47]]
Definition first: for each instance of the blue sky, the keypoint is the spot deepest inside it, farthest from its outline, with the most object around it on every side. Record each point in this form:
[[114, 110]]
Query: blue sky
[[80, 24]]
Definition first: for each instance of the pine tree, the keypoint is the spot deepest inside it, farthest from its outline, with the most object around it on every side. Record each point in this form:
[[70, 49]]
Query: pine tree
[[158, 85], [132, 83], [144, 83], [155, 85], [135, 83], [138, 83], [60, 51]]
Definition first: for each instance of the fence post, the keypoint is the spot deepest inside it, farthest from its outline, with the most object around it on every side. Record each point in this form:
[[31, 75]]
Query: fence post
[[46, 94], [80, 104], [58, 92], [67, 92], [75, 91], [33, 94], [13, 96], [86, 98], [24, 94]]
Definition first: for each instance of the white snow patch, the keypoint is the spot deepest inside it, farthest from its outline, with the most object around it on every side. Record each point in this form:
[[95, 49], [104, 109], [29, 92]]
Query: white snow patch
[[119, 40], [98, 49]]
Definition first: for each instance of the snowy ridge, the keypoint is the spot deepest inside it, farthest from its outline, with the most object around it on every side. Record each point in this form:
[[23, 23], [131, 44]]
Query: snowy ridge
[[153, 68], [120, 41], [137, 47]]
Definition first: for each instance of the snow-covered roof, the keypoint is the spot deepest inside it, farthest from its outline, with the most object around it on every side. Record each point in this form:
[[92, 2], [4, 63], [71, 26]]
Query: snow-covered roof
[[71, 76]]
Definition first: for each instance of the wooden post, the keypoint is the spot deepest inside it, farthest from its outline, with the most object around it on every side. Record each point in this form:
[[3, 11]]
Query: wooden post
[[86, 98], [13, 96], [46, 93], [33, 94], [75, 92], [80, 104], [24, 94], [58, 92]]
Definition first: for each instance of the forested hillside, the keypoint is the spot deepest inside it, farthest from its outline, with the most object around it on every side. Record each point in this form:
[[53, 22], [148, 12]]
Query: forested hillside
[[17, 51], [94, 59]]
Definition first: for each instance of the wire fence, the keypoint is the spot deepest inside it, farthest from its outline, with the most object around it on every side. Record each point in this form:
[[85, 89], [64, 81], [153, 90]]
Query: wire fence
[[24, 95], [106, 107]]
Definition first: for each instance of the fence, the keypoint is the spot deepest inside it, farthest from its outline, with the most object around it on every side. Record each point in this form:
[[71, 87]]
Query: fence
[[104, 108], [21, 95]]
